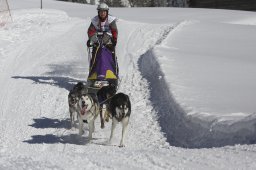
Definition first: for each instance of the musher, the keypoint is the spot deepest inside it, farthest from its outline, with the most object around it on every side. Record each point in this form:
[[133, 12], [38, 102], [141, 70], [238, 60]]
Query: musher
[[102, 34]]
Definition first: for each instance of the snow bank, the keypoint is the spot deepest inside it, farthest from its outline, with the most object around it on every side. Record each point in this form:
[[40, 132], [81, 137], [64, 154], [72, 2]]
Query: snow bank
[[196, 130]]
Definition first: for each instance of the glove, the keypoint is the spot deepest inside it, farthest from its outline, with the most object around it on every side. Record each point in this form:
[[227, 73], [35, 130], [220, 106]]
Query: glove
[[89, 43], [113, 42], [96, 44], [93, 39]]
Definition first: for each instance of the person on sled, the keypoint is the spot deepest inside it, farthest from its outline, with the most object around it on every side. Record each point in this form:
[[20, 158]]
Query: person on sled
[[103, 32]]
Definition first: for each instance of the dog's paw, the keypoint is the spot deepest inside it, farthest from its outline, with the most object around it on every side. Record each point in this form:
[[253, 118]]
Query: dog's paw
[[109, 142], [89, 139], [102, 126], [81, 132], [121, 145]]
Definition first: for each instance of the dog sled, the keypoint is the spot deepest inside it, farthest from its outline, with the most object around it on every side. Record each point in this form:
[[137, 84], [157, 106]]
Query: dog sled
[[98, 96], [103, 69]]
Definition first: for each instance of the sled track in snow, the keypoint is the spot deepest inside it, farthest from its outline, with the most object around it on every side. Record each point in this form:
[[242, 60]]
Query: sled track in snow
[[180, 129]]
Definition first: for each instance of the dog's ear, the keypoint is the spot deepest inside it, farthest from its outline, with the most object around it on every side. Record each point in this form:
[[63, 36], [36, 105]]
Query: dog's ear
[[94, 97], [80, 85], [112, 87], [128, 100], [71, 92]]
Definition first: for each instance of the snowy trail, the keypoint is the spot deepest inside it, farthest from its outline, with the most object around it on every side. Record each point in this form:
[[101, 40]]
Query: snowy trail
[[48, 56], [38, 75]]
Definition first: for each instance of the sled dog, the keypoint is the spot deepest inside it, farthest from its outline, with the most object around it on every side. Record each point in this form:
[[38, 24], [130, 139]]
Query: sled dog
[[73, 98], [120, 109], [88, 111], [104, 95]]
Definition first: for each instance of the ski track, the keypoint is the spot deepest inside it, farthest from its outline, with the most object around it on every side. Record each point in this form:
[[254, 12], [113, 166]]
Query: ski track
[[35, 124]]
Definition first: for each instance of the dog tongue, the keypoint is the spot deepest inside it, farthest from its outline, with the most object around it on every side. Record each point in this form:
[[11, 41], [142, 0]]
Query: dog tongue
[[83, 111]]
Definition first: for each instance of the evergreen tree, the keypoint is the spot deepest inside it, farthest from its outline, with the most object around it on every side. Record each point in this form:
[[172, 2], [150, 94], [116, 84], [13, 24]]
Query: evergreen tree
[[158, 3], [114, 3], [92, 2]]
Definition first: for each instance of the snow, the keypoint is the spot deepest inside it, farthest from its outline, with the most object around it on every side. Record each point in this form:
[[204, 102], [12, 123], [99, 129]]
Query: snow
[[189, 74]]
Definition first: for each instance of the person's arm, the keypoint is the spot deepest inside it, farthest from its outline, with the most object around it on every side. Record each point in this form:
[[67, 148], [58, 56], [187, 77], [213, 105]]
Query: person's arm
[[92, 33], [114, 32]]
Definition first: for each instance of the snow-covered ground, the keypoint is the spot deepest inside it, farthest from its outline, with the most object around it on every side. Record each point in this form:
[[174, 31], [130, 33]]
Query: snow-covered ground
[[189, 74]]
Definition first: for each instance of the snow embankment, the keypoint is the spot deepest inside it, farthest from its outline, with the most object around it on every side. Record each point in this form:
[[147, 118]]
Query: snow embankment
[[164, 68]]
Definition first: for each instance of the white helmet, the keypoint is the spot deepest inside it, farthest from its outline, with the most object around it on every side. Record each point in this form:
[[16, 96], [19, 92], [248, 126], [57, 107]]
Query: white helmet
[[103, 7]]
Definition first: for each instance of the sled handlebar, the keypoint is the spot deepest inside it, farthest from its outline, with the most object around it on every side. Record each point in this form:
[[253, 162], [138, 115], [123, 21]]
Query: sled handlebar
[[101, 38], [101, 33], [104, 37]]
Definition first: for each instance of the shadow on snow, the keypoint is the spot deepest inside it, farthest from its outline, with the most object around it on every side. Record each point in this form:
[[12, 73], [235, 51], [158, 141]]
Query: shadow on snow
[[45, 122], [61, 82], [52, 139], [54, 78]]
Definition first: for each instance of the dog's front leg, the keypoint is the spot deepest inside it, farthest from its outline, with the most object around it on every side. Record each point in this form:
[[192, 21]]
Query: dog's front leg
[[81, 125], [93, 125], [125, 122], [74, 115], [91, 129], [71, 119], [101, 118], [114, 123]]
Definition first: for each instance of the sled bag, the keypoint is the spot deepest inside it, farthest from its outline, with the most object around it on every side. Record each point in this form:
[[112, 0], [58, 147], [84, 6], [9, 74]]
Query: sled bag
[[103, 65]]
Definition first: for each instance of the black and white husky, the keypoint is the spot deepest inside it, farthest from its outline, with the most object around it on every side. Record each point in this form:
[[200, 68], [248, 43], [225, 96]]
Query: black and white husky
[[120, 109], [88, 111], [73, 98]]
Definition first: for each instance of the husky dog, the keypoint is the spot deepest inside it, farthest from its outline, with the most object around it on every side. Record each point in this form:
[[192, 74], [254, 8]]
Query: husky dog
[[104, 95], [120, 109], [73, 98], [88, 111]]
